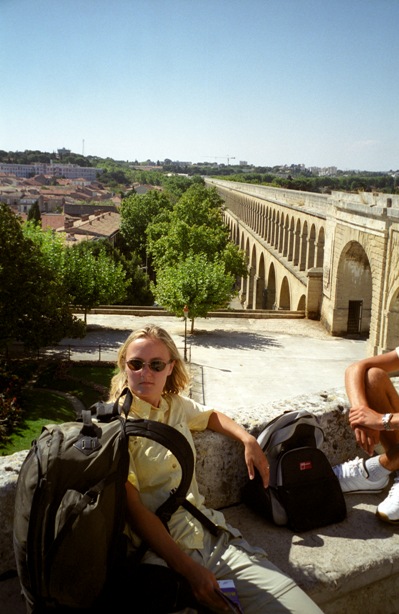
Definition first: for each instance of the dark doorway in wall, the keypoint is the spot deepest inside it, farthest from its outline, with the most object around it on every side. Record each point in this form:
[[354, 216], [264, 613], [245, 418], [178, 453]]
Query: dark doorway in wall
[[355, 309]]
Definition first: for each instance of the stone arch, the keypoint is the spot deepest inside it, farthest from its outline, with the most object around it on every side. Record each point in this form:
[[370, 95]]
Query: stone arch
[[286, 236], [311, 248], [263, 222], [285, 300], [245, 281], [276, 231], [241, 241], [273, 228], [291, 240], [302, 303], [236, 234], [280, 245], [353, 291], [392, 334], [260, 301], [320, 248], [297, 242], [251, 283], [271, 289], [270, 226], [304, 247]]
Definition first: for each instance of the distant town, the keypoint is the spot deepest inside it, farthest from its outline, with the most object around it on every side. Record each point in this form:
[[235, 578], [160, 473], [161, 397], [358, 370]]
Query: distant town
[[63, 182]]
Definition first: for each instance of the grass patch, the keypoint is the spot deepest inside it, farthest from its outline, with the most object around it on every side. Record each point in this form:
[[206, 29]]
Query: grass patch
[[65, 380], [98, 375], [41, 407]]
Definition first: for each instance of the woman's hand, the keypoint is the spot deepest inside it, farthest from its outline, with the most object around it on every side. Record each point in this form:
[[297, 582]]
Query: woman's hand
[[256, 458], [204, 586]]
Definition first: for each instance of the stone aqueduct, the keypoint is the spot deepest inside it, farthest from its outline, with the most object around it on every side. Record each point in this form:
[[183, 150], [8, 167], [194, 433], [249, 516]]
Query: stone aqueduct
[[334, 256]]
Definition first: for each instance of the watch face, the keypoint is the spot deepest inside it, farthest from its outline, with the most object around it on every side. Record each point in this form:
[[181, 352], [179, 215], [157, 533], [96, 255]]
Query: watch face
[[386, 418]]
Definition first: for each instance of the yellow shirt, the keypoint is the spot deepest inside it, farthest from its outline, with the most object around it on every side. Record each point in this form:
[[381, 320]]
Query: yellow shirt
[[155, 471]]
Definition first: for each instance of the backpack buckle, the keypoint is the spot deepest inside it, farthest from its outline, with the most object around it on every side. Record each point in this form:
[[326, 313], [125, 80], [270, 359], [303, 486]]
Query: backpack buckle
[[87, 445]]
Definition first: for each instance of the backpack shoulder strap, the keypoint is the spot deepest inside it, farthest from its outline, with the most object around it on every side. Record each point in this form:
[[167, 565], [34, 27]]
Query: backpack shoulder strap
[[174, 441], [166, 436]]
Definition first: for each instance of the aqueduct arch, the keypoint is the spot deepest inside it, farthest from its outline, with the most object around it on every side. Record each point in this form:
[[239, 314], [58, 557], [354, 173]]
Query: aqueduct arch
[[335, 256], [353, 291]]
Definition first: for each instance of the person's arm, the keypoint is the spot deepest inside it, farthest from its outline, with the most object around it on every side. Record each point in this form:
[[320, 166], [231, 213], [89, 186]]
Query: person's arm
[[364, 420], [355, 375], [253, 453], [367, 418], [150, 528]]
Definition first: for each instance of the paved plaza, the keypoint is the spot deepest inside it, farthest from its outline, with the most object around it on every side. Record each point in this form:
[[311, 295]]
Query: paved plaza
[[238, 362]]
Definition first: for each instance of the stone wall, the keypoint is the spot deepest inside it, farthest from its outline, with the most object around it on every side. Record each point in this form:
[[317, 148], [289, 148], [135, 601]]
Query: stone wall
[[354, 238]]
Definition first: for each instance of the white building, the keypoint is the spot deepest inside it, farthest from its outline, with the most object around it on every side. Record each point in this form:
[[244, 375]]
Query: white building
[[55, 169]]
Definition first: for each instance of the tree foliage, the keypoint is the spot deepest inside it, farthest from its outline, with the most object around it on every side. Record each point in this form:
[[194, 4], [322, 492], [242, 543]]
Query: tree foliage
[[34, 214], [137, 212], [92, 279], [197, 282], [195, 226], [34, 306], [137, 287], [195, 262]]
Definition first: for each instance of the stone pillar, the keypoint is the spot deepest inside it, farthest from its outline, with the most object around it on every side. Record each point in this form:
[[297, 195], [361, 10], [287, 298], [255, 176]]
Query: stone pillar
[[314, 293], [250, 288]]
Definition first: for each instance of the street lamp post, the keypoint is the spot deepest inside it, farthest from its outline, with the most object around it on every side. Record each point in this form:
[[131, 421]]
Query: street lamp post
[[185, 313]]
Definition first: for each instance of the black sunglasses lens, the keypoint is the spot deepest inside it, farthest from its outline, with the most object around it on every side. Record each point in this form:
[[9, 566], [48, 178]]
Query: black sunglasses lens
[[157, 365], [135, 365]]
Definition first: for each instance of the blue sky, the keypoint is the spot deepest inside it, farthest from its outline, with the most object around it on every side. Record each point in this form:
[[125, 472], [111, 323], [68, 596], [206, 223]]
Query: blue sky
[[266, 81]]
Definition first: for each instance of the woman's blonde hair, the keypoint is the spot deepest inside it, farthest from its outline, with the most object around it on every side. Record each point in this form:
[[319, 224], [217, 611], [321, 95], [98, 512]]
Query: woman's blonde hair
[[176, 382]]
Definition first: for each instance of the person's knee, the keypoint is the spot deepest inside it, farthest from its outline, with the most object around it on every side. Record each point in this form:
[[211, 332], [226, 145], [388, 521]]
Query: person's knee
[[376, 379], [380, 391]]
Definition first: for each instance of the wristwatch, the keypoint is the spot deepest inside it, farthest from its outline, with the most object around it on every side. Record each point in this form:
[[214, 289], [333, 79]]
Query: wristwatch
[[386, 422]]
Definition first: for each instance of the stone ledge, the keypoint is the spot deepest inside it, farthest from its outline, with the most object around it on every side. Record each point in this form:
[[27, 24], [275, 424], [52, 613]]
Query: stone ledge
[[352, 566], [220, 475]]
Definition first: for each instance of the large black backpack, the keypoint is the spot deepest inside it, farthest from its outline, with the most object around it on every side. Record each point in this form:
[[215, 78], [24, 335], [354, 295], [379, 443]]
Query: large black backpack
[[303, 491], [70, 506]]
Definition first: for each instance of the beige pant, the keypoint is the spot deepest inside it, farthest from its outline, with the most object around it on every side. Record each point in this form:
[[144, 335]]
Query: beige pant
[[261, 586]]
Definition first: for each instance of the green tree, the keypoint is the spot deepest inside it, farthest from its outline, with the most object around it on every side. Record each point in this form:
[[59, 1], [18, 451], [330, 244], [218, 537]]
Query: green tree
[[51, 245], [137, 212], [92, 280], [34, 214], [137, 282], [34, 307], [195, 226], [200, 284], [177, 185]]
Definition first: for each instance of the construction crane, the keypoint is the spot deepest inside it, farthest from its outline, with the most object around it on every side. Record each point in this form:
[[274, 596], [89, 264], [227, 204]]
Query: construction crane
[[228, 158]]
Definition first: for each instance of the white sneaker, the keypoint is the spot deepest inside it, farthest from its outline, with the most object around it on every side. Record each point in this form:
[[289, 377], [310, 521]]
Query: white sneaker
[[354, 478], [388, 510]]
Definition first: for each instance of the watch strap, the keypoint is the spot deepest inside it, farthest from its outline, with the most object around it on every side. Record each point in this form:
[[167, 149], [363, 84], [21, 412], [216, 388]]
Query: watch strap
[[386, 422]]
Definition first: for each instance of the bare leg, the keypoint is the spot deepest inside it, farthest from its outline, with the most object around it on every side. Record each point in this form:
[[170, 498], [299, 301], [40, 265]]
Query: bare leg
[[383, 397]]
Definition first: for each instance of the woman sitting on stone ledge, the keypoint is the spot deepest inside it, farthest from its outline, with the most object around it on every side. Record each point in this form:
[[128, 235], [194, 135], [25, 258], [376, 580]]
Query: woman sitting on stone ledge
[[187, 555]]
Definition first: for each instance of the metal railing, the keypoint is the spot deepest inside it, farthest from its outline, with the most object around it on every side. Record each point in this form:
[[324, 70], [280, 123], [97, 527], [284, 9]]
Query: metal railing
[[74, 352]]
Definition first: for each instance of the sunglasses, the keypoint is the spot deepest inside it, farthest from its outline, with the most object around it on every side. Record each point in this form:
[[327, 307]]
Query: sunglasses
[[135, 364]]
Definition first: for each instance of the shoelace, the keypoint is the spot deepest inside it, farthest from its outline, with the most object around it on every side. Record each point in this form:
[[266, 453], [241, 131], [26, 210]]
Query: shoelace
[[394, 492], [351, 468]]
